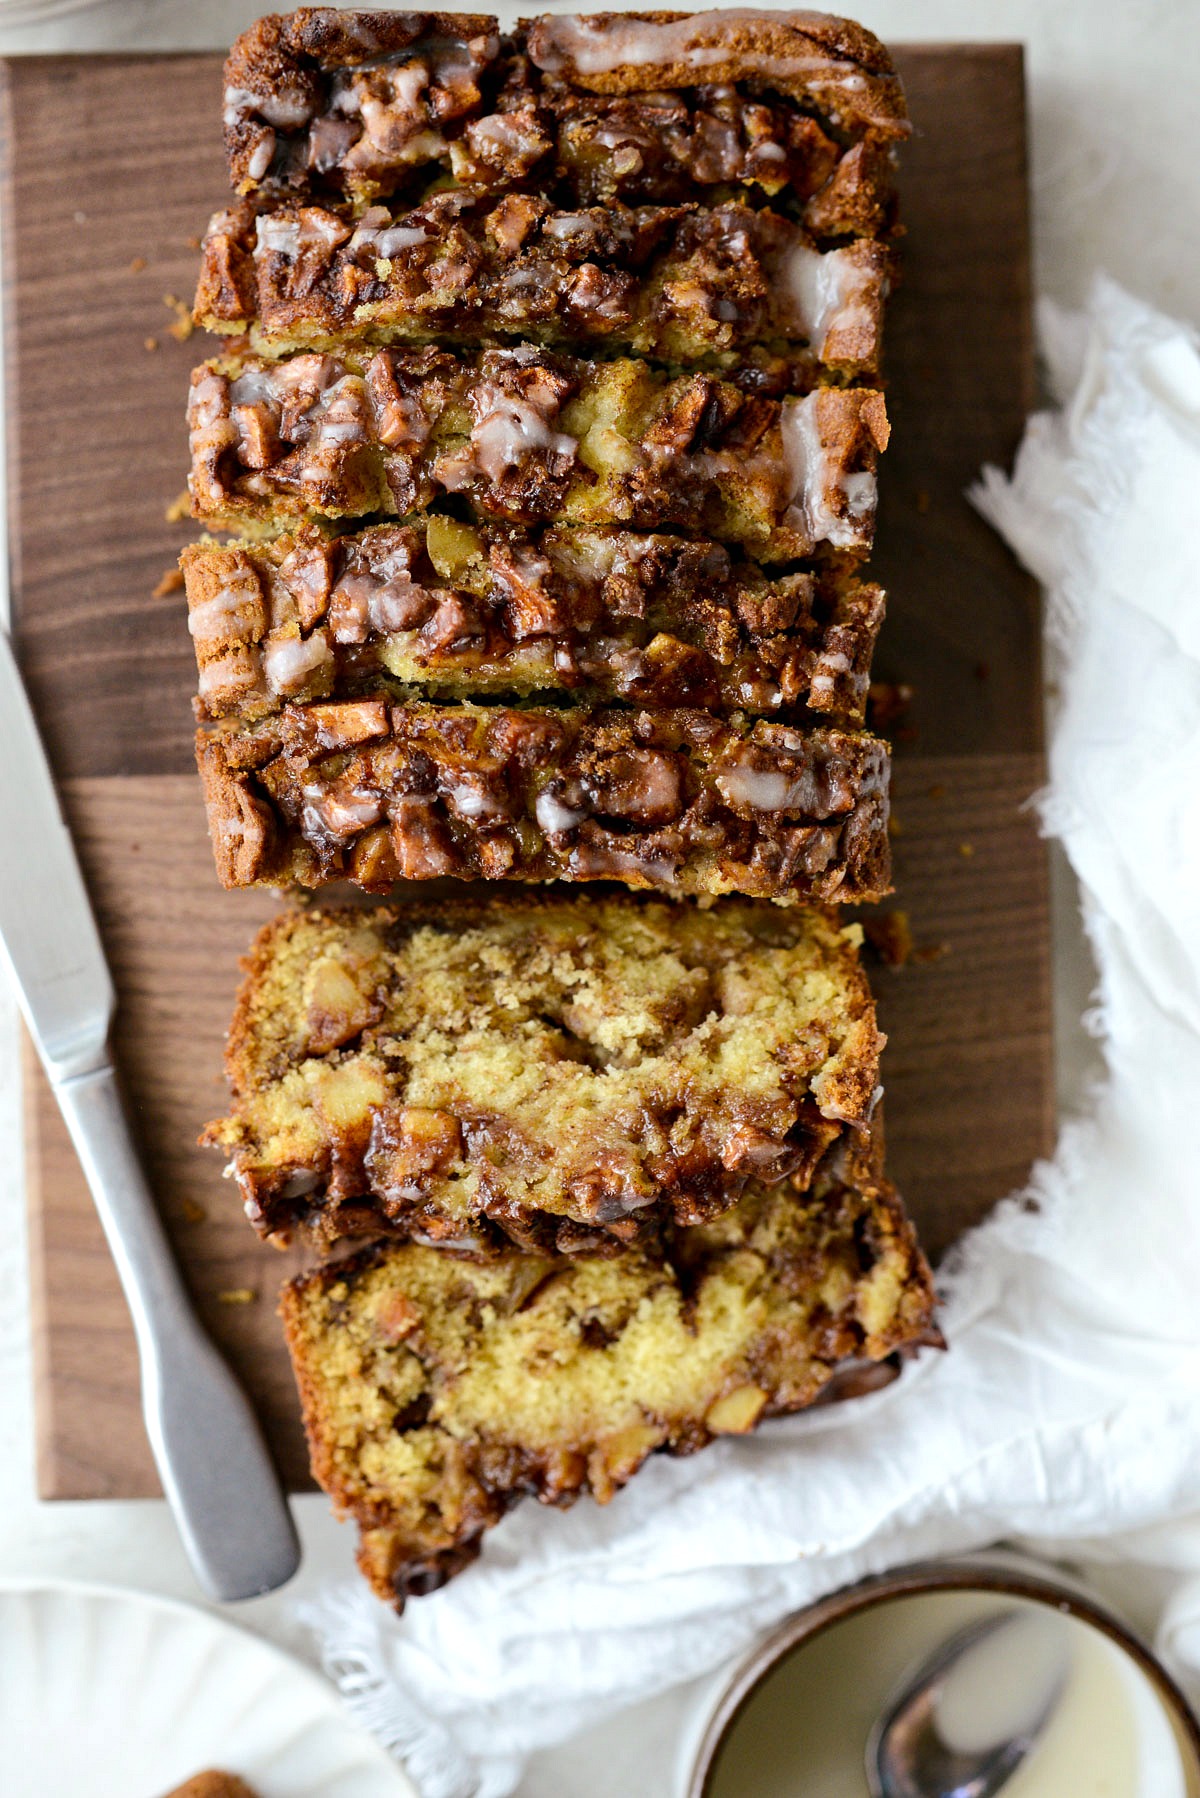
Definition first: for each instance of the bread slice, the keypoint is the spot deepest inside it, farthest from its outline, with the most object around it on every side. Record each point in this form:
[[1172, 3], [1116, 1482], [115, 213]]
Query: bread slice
[[438, 1391], [377, 792], [673, 283], [362, 101], [656, 109], [830, 66], [565, 1073], [476, 611], [532, 436]]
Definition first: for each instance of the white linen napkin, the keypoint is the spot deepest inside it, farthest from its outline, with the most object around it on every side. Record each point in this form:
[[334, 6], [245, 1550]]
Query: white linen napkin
[[1068, 1407]]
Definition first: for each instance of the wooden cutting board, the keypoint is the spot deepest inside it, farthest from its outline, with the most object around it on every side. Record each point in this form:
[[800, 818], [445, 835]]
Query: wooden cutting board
[[112, 166]]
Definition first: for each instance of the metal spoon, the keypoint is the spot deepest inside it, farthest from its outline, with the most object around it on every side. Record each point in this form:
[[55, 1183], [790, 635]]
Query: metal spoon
[[907, 1756]]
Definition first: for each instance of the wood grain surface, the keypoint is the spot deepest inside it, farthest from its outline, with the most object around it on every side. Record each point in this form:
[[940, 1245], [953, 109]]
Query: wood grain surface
[[101, 222]]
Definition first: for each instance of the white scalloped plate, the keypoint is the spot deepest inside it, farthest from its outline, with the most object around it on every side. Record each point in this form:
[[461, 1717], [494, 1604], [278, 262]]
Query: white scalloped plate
[[115, 1694]]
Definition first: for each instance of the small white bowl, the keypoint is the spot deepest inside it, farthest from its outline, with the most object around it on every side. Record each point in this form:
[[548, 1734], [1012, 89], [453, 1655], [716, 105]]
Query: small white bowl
[[1165, 1730]]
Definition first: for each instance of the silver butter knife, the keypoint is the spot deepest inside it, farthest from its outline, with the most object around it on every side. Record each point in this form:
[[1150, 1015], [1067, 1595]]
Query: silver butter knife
[[217, 1474]]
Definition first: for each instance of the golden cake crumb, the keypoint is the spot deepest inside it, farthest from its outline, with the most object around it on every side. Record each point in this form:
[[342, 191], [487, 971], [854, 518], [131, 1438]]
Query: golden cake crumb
[[561, 1072], [438, 1391]]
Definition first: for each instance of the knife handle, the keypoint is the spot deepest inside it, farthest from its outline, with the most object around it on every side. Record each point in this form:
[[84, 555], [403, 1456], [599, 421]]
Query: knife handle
[[219, 1479]]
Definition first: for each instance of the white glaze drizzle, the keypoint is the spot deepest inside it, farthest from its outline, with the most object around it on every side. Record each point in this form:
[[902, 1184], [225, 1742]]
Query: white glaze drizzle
[[508, 430], [499, 131], [287, 110], [349, 608], [217, 617], [397, 238], [407, 82], [554, 817], [599, 46], [816, 482], [569, 224], [289, 661], [335, 814], [829, 668], [295, 1186], [471, 801], [289, 236], [277, 236], [340, 416], [238, 101], [260, 156], [238, 669], [608, 862], [766, 789], [254, 387], [825, 292]]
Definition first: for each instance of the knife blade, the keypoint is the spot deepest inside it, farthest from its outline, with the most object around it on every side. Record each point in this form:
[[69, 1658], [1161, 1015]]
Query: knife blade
[[215, 1468]]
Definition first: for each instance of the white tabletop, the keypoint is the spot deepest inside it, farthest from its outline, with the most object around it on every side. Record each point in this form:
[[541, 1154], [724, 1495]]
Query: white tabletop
[[1116, 186]]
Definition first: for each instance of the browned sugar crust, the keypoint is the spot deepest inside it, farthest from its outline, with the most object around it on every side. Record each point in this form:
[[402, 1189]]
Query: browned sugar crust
[[832, 65], [531, 436], [437, 1392], [369, 105], [213, 1784], [465, 610], [670, 283], [376, 792], [567, 1074]]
